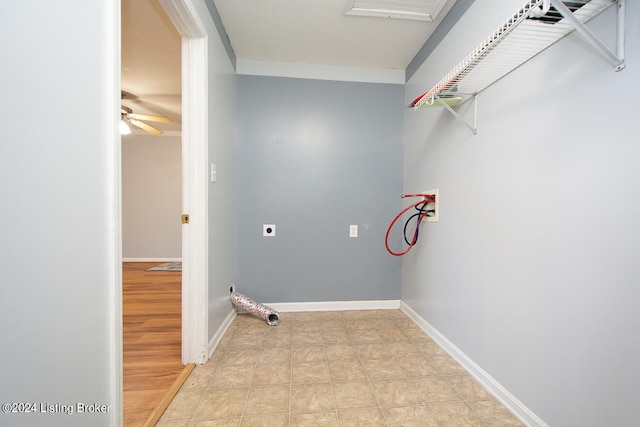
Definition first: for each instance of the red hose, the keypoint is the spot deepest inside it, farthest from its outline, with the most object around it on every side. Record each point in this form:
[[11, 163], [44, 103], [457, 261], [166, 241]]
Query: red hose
[[426, 199]]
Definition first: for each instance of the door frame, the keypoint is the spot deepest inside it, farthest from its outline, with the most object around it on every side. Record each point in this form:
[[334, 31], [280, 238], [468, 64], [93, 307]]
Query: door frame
[[188, 22]]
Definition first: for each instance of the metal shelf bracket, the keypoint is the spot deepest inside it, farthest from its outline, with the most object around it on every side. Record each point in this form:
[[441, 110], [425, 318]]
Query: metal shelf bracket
[[474, 127], [617, 58]]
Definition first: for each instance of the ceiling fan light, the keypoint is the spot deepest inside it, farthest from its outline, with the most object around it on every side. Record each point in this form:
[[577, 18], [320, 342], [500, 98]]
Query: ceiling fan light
[[124, 128]]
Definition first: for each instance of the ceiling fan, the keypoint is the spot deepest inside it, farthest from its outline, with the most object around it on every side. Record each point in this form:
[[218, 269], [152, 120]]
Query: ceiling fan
[[129, 117]]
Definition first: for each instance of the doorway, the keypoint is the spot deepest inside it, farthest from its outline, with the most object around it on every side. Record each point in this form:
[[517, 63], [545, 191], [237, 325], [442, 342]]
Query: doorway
[[184, 17]]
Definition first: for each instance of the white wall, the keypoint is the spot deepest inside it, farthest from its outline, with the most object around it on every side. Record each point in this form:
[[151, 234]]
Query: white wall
[[151, 198], [222, 144], [58, 226], [532, 271]]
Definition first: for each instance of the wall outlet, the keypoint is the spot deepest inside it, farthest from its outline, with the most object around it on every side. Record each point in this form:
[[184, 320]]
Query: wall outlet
[[268, 230], [433, 217], [353, 230]]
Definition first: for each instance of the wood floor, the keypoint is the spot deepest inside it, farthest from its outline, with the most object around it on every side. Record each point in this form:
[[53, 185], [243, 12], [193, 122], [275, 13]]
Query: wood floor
[[152, 338]]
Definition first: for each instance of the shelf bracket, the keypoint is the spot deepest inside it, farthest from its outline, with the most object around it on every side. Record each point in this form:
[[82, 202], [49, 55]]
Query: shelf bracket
[[617, 59], [473, 128]]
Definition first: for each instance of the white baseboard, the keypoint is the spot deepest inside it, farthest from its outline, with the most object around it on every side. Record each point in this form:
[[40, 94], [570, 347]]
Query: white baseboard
[[288, 307], [151, 259], [215, 339], [498, 391]]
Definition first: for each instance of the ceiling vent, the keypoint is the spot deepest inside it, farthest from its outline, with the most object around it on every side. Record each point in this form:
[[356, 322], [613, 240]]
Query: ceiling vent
[[417, 10]]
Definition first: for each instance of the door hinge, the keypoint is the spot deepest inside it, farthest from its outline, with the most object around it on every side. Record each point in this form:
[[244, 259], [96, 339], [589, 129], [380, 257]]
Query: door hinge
[[185, 218]]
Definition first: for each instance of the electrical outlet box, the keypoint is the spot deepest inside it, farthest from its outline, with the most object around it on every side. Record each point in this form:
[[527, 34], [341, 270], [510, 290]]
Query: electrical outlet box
[[268, 230], [353, 230], [433, 206]]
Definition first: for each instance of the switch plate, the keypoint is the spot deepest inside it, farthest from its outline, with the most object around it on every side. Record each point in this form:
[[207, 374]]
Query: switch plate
[[433, 205], [353, 230], [268, 230], [214, 173]]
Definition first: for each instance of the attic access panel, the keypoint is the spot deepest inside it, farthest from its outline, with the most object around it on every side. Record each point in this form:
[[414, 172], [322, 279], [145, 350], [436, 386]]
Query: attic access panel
[[417, 10]]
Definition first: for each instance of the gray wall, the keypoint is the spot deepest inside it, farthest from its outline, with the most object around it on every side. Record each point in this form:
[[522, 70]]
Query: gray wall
[[314, 157], [533, 268], [58, 234], [222, 194], [151, 197]]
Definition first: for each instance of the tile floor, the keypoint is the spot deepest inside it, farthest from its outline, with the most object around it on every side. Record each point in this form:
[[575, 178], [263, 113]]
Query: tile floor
[[347, 368]]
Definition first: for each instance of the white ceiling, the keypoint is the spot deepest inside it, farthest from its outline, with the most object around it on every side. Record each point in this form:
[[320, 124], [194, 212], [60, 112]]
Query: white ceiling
[[319, 32], [298, 31]]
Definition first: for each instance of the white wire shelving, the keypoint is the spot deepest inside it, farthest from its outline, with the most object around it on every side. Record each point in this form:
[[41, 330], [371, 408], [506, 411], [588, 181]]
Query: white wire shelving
[[532, 29]]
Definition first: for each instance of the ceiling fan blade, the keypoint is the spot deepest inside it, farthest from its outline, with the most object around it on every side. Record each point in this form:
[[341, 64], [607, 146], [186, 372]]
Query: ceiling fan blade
[[150, 118], [145, 126]]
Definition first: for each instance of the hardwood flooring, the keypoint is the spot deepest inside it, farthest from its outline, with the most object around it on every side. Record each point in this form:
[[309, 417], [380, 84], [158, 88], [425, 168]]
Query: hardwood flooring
[[152, 339]]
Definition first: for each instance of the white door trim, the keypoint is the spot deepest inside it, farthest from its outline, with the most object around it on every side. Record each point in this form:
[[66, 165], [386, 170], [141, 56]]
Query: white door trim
[[185, 17]]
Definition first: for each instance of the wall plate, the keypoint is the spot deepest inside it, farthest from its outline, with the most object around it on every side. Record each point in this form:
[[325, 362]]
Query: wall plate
[[268, 230], [433, 205]]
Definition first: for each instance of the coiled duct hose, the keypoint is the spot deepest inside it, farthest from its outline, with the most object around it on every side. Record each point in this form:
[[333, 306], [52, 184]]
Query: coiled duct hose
[[421, 207]]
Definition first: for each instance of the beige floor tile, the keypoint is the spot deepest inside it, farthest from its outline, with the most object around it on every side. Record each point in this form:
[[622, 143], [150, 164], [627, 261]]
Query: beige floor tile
[[318, 419], [336, 337], [435, 389], [416, 366], [307, 338], [177, 423], [225, 422], [403, 349], [356, 325], [333, 325], [310, 372], [392, 334], [336, 352], [240, 357], [232, 376], [361, 418], [469, 388], [494, 414], [308, 353], [306, 316], [365, 336], [455, 414], [247, 340], [409, 416], [183, 405], [271, 374], [311, 398], [267, 400], [274, 354], [265, 421], [353, 368], [278, 338], [349, 369], [200, 377], [368, 351], [394, 393], [304, 327], [222, 403], [429, 348], [447, 366], [354, 394], [382, 369]]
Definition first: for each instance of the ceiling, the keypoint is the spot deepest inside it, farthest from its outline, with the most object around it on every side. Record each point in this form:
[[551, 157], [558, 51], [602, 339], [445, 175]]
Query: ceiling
[[298, 31], [151, 63]]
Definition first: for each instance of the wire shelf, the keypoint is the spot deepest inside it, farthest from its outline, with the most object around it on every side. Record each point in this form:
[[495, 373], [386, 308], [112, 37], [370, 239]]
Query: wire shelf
[[516, 41]]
